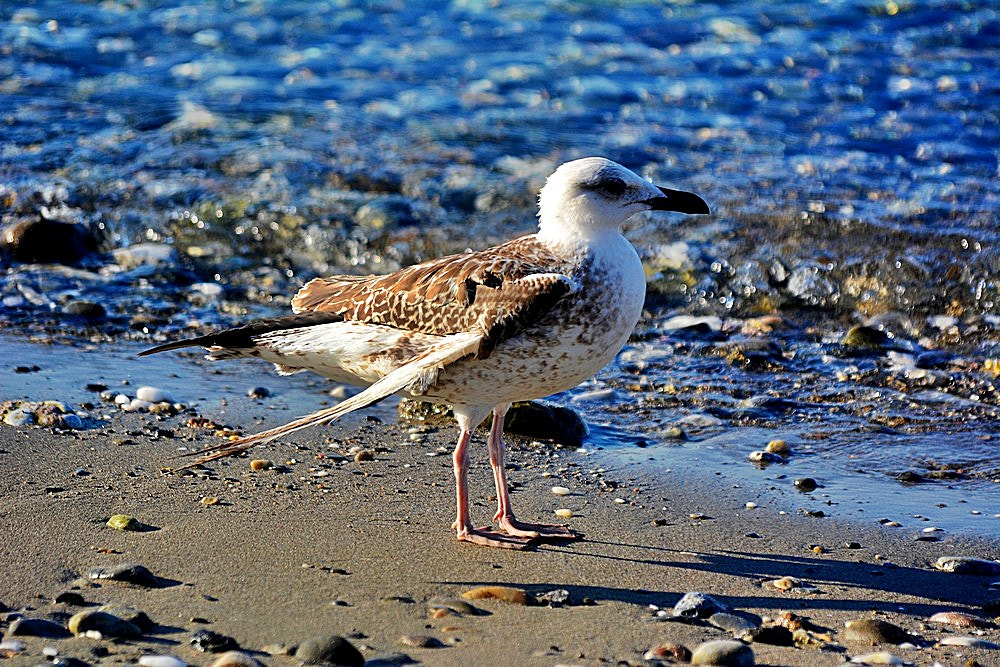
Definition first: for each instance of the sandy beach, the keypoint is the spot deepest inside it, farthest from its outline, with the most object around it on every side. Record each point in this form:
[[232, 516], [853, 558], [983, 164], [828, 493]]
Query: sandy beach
[[322, 544]]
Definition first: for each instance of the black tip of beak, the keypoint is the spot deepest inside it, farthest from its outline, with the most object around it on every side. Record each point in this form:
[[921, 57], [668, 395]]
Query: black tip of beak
[[679, 201]]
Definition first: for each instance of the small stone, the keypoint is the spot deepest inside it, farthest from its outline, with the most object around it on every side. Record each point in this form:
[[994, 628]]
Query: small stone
[[420, 641], [560, 491], [258, 392], [20, 417], [125, 522], [131, 573], [364, 455], [236, 659], [107, 624], [161, 661], [37, 627], [136, 617], [750, 505], [260, 464], [786, 583], [329, 649], [723, 653], [880, 658], [864, 338], [764, 458], [698, 605], [71, 598], [874, 631], [210, 641], [774, 635], [668, 651], [564, 513], [503, 593], [153, 395], [779, 447], [460, 607], [959, 619], [731, 623], [47, 241], [88, 310], [967, 565], [145, 254], [970, 642], [806, 484], [208, 501]]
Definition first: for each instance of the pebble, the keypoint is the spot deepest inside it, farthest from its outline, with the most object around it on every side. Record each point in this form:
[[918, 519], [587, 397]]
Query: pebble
[[564, 513], [161, 661], [210, 641], [19, 417], [107, 624], [560, 491], [967, 565], [258, 392], [260, 464], [85, 309], [42, 240], [959, 619], [880, 658], [153, 395], [125, 522], [731, 623], [668, 651], [236, 659], [420, 641], [875, 631], [71, 598], [778, 447], [364, 455], [805, 484], [131, 573], [760, 456], [11, 645], [970, 642], [775, 635], [145, 254], [37, 627], [723, 653], [750, 505], [789, 583], [329, 649], [506, 594], [698, 605]]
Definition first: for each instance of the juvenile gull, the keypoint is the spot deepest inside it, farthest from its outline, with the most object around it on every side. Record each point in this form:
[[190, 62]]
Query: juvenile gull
[[477, 330]]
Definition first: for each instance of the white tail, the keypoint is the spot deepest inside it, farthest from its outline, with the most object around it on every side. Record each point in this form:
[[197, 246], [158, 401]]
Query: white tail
[[419, 373]]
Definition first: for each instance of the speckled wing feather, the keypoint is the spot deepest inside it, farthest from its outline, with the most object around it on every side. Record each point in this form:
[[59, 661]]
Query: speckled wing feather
[[496, 292]]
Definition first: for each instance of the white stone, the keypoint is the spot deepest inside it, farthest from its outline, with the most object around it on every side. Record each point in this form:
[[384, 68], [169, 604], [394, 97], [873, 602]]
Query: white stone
[[152, 394]]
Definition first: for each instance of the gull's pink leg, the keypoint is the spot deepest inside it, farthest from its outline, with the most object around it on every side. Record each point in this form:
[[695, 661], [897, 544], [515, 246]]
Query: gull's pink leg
[[505, 515], [463, 522]]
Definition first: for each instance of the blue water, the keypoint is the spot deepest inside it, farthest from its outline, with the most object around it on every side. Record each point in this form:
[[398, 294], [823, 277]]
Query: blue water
[[849, 151]]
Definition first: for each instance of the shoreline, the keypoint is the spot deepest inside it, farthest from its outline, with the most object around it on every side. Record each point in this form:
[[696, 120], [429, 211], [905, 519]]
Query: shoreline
[[363, 549]]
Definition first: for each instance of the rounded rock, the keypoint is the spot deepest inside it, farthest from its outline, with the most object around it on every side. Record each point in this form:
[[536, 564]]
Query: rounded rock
[[152, 394], [724, 653], [806, 484], [236, 659], [329, 649], [107, 624]]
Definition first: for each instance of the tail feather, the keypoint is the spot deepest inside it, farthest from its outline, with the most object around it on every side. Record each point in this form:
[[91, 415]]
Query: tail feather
[[243, 337], [419, 373]]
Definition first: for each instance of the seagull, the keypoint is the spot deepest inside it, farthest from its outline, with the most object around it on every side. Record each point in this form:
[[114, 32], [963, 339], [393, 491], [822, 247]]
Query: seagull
[[476, 330]]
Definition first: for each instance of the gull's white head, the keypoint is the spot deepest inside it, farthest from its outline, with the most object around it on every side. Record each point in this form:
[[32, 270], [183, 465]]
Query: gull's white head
[[586, 197]]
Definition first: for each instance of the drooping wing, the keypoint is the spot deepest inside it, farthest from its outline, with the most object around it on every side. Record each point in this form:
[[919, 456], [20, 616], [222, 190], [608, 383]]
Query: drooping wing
[[496, 292]]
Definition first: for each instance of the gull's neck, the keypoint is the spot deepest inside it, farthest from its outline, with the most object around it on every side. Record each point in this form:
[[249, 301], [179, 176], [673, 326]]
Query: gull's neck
[[569, 234]]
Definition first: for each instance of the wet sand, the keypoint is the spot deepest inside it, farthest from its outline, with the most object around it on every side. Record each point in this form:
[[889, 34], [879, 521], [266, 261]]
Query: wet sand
[[362, 550]]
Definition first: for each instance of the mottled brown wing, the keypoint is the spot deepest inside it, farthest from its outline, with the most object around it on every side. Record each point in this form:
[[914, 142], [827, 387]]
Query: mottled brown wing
[[497, 291]]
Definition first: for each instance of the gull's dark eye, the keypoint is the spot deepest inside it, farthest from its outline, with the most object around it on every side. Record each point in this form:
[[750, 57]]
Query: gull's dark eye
[[614, 187]]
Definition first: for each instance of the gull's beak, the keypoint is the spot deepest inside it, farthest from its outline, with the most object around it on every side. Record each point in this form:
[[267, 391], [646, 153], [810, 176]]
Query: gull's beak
[[677, 200]]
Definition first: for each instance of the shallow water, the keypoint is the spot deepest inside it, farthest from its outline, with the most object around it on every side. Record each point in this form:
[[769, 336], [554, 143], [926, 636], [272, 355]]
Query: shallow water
[[849, 151]]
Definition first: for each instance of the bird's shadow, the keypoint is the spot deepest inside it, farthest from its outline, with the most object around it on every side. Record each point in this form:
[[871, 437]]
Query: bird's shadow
[[937, 589]]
